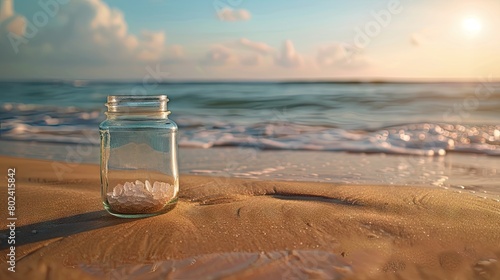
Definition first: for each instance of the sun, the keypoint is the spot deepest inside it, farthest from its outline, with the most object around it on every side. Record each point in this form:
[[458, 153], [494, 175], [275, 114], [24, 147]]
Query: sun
[[472, 25]]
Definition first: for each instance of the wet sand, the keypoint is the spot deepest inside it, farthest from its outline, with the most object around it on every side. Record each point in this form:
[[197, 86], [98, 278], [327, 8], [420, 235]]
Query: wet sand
[[247, 229]]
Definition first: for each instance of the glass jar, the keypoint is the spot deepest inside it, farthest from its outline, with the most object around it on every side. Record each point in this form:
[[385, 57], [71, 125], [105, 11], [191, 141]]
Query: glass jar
[[139, 173]]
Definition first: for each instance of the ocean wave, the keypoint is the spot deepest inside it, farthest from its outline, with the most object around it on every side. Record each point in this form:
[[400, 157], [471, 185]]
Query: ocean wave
[[425, 119], [425, 139], [71, 125]]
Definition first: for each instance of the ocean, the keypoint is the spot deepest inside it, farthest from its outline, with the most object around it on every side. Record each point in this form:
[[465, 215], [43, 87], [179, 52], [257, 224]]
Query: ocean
[[422, 125]]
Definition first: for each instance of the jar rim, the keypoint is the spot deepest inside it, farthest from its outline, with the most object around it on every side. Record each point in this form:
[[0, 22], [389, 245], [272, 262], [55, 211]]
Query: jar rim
[[136, 98], [137, 103]]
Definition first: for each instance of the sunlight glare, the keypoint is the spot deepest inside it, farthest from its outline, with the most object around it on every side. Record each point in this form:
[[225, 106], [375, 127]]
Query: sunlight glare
[[472, 25]]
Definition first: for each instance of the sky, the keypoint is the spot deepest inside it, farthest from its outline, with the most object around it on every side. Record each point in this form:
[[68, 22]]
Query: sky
[[250, 40]]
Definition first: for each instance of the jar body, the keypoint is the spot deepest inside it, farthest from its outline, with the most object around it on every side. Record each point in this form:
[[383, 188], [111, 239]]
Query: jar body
[[139, 171]]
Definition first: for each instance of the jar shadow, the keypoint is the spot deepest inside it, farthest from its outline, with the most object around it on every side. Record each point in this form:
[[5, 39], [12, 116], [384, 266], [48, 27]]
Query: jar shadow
[[62, 227]]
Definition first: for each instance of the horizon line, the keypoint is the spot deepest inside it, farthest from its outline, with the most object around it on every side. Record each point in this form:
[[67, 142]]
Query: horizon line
[[270, 81]]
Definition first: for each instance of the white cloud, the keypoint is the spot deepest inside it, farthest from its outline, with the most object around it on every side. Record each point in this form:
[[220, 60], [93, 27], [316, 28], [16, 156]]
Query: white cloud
[[242, 51], [332, 55], [340, 55], [95, 31], [288, 57], [259, 47], [153, 45], [106, 18], [219, 55], [83, 32], [249, 53], [228, 14]]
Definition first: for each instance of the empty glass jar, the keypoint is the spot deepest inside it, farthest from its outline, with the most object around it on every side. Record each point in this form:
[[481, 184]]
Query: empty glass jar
[[139, 173]]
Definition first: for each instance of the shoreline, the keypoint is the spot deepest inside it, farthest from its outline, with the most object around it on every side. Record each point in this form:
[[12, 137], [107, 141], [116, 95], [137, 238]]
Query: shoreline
[[472, 173], [249, 228]]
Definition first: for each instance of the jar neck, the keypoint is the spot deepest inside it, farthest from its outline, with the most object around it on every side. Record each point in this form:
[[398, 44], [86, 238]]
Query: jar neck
[[137, 117], [130, 107]]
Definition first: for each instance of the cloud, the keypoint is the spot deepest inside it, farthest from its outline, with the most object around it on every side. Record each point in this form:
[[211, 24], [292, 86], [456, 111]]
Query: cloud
[[7, 10], [95, 32], [288, 57], [228, 14], [332, 55], [9, 20], [218, 56], [340, 55], [177, 51], [242, 51], [81, 32], [259, 47], [153, 45], [251, 60]]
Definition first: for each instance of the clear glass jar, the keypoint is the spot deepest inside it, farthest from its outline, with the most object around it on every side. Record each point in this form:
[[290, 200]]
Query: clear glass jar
[[139, 173]]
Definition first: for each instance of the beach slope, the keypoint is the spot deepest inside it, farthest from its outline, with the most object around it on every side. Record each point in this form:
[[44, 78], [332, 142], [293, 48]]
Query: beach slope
[[245, 229]]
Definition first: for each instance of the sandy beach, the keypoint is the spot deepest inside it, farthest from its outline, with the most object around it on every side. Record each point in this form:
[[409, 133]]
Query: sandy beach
[[247, 229], [279, 140]]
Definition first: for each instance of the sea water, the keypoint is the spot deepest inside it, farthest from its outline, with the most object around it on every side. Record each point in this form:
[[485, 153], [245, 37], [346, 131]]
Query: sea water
[[433, 134]]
